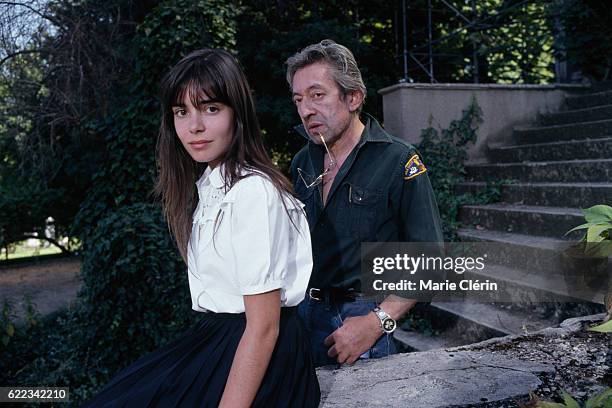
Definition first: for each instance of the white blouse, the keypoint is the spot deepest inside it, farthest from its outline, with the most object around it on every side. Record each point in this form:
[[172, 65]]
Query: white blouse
[[255, 248]]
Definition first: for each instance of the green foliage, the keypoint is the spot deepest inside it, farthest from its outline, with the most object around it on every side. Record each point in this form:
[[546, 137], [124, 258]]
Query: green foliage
[[598, 225], [569, 401], [174, 29], [416, 321], [15, 337], [24, 205], [597, 243], [25, 199], [520, 49], [134, 285], [512, 42], [7, 327], [47, 98], [602, 400], [445, 154], [603, 328], [584, 35]]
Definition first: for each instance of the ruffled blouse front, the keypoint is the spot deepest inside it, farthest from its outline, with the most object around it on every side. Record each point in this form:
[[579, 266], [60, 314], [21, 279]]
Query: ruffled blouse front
[[243, 242]]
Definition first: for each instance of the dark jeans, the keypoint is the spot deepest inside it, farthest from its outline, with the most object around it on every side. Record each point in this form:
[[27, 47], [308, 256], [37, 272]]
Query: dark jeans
[[322, 318]]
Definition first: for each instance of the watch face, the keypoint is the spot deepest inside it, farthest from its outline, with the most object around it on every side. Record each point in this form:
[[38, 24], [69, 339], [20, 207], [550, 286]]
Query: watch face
[[389, 325]]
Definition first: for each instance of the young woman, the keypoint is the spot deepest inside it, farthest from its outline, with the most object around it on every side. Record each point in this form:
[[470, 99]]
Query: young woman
[[247, 245]]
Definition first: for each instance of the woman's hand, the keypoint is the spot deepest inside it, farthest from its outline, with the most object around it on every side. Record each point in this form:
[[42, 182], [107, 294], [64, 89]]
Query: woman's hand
[[254, 350]]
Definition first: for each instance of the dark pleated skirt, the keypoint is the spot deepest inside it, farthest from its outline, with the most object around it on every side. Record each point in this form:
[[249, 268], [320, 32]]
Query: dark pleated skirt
[[192, 370]]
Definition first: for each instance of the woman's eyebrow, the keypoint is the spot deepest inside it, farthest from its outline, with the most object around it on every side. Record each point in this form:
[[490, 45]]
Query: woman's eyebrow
[[205, 101], [201, 102]]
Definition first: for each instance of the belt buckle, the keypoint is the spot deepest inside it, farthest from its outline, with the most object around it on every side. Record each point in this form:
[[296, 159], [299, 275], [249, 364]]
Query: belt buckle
[[311, 295]]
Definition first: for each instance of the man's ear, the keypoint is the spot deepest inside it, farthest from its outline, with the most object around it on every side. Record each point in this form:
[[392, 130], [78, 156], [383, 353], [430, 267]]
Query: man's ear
[[355, 99]]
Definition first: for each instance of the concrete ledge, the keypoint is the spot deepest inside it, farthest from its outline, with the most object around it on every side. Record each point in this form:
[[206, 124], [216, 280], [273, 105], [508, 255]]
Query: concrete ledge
[[410, 108], [531, 87]]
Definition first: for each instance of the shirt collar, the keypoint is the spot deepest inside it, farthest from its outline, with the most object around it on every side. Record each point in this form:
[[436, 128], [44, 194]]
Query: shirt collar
[[372, 132], [214, 177]]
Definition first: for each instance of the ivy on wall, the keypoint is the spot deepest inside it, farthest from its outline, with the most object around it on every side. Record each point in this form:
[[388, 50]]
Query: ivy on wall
[[445, 152]]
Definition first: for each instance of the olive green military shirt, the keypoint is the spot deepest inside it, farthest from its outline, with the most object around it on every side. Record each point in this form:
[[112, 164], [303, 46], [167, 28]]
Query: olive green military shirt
[[381, 194]]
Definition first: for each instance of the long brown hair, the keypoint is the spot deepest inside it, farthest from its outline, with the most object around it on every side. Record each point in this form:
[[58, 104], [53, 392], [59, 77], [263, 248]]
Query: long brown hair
[[216, 74]]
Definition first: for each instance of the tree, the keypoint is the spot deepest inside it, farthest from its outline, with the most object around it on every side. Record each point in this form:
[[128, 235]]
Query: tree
[[584, 35], [61, 65]]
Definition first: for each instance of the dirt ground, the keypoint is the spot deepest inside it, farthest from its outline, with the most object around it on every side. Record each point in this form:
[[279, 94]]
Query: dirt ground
[[50, 284]]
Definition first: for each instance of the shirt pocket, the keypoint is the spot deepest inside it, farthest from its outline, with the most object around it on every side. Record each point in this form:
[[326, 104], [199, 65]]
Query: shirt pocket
[[358, 209]]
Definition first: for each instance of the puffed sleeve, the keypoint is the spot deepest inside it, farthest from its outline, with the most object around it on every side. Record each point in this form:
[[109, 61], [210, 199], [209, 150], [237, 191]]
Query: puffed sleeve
[[262, 236]]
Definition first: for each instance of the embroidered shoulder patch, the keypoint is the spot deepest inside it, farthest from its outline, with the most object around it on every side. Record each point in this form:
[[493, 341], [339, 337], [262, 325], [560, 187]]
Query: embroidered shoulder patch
[[413, 167]]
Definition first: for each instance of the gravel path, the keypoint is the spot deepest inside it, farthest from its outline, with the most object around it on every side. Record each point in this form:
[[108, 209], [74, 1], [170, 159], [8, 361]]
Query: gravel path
[[50, 284]]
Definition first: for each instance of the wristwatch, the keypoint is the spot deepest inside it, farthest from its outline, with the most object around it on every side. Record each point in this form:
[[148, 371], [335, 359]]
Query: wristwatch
[[387, 324]]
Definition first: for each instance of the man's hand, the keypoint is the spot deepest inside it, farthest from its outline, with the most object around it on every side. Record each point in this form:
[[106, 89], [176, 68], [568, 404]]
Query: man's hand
[[356, 336]]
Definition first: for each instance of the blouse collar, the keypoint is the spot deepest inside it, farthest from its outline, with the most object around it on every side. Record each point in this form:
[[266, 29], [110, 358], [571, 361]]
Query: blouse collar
[[213, 177]]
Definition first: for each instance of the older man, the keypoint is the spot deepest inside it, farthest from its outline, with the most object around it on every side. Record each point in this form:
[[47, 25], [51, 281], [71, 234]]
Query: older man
[[359, 184]]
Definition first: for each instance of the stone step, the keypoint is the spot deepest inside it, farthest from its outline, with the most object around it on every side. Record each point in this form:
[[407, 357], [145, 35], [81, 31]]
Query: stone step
[[523, 219], [537, 254], [537, 303], [601, 86], [577, 115], [577, 195], [452, 329], [415, 341], [591, 170], [589, 100], [574, 131], [476, 318], [551, 293], [565, 150], [522, 251]]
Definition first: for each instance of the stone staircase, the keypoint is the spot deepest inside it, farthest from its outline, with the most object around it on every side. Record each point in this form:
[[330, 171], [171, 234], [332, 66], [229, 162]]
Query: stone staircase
[[554, 169]]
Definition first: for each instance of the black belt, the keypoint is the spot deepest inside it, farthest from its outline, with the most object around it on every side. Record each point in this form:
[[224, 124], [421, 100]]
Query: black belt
[[337, 295]]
